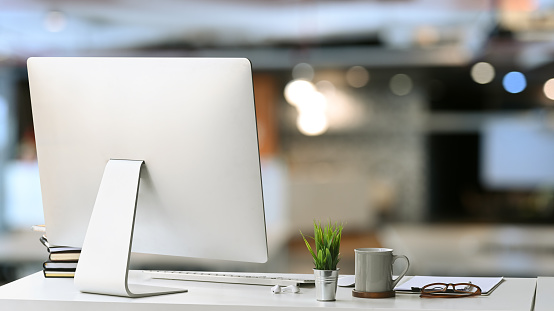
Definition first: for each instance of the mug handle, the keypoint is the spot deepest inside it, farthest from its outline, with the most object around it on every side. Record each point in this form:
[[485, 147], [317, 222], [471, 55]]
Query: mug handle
[[394, 257]]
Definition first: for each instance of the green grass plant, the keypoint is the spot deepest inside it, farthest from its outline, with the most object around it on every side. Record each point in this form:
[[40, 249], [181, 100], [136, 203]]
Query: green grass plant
[[327, 238]]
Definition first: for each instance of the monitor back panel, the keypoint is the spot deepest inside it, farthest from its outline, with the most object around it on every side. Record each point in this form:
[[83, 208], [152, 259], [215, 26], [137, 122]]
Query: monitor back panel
[[192, 120]]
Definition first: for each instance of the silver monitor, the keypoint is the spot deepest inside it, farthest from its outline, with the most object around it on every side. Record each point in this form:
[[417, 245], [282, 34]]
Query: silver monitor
[[185, 128]]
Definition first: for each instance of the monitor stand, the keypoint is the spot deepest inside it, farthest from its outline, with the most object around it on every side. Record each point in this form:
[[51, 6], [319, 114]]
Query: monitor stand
[[103, 266]]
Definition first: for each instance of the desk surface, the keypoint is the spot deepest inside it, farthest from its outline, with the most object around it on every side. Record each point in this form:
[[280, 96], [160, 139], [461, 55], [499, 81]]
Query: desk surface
[[37, 293], [544, 299]]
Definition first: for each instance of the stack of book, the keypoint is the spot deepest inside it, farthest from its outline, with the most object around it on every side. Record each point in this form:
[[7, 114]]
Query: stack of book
[[62, 261]]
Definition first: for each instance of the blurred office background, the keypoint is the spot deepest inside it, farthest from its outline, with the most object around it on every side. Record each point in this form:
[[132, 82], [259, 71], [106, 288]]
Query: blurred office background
[[426, 126]]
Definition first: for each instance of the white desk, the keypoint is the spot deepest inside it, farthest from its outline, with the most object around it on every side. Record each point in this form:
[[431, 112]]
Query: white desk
[[544, 299], [37, 293]]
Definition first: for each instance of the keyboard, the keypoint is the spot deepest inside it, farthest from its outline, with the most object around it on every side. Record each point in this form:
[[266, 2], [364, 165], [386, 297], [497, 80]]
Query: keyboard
[[234, 277]]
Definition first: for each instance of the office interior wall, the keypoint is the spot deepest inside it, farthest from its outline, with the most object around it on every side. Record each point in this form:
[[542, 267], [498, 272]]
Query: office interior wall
[[368, 171], [265, 94], [20, 196], [365, 170], [9, 109]]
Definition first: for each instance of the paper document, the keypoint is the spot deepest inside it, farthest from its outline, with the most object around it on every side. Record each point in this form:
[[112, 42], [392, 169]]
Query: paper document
[[415, 284]]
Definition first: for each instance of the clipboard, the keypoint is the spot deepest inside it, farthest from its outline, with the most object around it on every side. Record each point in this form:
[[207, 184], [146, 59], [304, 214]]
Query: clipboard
[[414, 285]]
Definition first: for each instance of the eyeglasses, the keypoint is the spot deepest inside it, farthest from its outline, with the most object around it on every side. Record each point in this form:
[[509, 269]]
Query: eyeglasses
[[444, 290]]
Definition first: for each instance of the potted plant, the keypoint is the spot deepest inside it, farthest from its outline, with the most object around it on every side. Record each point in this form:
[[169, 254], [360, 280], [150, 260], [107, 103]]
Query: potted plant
[[326, 256]]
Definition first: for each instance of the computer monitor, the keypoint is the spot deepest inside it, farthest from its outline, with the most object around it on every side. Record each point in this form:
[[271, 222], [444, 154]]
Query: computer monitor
[[185, 128]]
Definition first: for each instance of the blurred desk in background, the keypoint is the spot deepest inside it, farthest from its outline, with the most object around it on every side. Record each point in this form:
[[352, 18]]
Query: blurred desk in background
[[21, 247], [473, 250], [20, 253]]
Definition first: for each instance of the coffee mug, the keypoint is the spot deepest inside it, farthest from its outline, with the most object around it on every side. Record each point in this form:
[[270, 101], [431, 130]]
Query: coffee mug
[[373, 268]]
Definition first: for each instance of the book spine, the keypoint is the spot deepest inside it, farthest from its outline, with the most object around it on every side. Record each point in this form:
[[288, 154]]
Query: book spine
[[59, 269], [51, 274], [59, 265], [56, 258]]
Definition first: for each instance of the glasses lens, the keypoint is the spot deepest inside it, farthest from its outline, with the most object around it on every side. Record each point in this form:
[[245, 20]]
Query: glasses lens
[[462, 288], [451, 289], [435, 287], [470, 288]]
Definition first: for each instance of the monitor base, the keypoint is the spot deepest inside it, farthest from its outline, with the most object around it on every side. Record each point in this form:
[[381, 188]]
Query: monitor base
[[103, 266]]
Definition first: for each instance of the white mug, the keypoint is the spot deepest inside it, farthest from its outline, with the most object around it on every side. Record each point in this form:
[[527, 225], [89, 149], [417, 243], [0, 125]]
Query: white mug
[[373, 268]]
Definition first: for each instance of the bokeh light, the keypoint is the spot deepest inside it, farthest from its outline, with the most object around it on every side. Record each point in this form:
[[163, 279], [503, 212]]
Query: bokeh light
[[303, 71], [482, 73], [298, 91], [312, 124], [401, 84], [310, 104], [549, 89], [514, 82], [315, 102], [327, 88], [312, 120], [357, 76]]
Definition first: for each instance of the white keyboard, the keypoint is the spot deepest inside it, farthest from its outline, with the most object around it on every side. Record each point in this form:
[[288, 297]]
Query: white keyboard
[[234, 277]]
